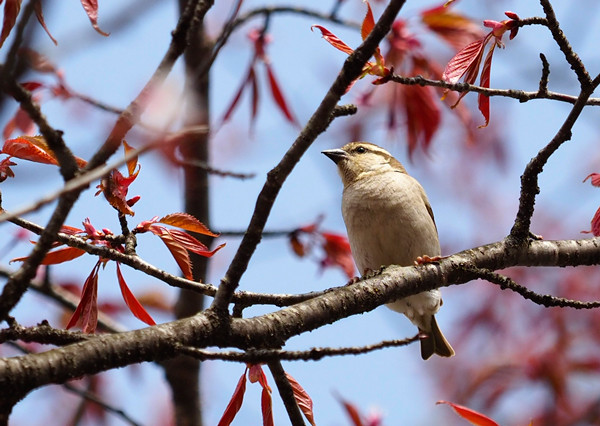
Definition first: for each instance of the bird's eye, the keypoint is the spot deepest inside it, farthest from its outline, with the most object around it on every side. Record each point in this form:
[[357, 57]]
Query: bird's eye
[[360, 150]]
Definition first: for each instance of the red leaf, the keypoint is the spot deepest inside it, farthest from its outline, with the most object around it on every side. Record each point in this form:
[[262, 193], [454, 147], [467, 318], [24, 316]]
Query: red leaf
[[62, 255], [337, 250], [87, 309], [33, 148], [595, 224], [114, 187], [235, 402], [255, 94], [192, 244], [266, 406], [333, 40], [454, 28], [178, 251], [595, 178], [91, 8], [256, 374], [11, 11], [21, 121], [483, 100], [132, 164], [368, 23], [31, 85], [5, 169], [423, 116], [40, 18], [302, 399], [250, 79], [278, 95], [352, 412], [187, 222], [472, 416], [466, 61], [133, 304]]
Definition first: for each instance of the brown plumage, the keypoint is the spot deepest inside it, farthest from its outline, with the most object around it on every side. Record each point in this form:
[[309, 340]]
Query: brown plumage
[[390, 222]]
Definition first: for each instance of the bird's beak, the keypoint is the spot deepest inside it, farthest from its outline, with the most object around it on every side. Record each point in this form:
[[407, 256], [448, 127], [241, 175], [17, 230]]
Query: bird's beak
[[336, 155]]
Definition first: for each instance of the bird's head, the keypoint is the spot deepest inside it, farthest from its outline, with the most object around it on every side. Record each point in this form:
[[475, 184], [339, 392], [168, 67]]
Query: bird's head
[[357, 160]]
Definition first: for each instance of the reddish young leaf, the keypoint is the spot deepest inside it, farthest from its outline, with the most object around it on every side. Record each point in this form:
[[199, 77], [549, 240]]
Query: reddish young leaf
[[114, 187], [368, 23], [187, 222], [178, 251], [297, 247], [235, 402], [5, 169], [132, 164], [466, 61], [337, 250], [62, 255], [256, 374], [21, 121], [11, 11], [192, 244], [278, 95], [423, 116], [91, 8], [472, 416], [32, 85], [250, 79], [352, 412], [333, 39], [33, 148], [40, 18], [595, 178], [454, 28], [484, 100], [133, 304], [302, 399], [87, 309], [266, 406], [595, 224]]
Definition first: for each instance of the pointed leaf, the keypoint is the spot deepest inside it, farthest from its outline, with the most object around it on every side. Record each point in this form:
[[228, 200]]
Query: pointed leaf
[[5, 169], [39, 62], [132, 163], [595, 178], [11, 11], [21, 121], [302, 399], [192, 244], [248, 80], [235, 402], [266, 406], [454, 28], [91, 8], [133, 304], [278, 95], [40, 18], [465, 61], [87, 309], [62, 255], [484, 100], [352, 412], [178, 251], [188, 222], [33, 148], [333, 39], [472, 416], [368, 23]]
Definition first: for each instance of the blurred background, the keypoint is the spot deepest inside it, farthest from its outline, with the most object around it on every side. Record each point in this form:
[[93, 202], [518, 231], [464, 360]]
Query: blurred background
[[515, 361]]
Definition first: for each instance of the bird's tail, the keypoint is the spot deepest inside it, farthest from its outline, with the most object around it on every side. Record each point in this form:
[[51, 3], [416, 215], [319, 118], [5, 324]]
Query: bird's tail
[[434, 342]]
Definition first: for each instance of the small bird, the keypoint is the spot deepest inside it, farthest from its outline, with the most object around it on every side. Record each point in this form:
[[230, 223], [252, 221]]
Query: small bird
[[390, 222]]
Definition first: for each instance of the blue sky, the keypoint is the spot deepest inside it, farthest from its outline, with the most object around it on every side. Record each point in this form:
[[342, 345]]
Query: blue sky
[[394, 382]]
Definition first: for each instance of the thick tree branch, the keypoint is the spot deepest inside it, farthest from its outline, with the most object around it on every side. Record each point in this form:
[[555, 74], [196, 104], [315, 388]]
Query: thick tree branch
[[20, 375]]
